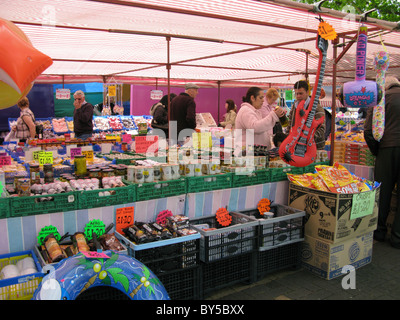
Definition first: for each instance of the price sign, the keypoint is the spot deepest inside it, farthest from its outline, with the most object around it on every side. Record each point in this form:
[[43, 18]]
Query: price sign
[[88, 154], [95, 255], [264, 205], [124, 218], [223, 217], [97, 226], [63, 94], [75, 152], [144, 144], [36, 155], [127, 138], [363, 204], [112, 91], [156, 94], [45, 231], [326, 31], [205, 140], [162, 217], [5, 161], [45, 157]]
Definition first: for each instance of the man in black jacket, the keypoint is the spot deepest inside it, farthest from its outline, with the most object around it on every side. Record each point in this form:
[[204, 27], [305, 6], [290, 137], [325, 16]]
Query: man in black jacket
[[83, 116], [183, 111], [387, 164]]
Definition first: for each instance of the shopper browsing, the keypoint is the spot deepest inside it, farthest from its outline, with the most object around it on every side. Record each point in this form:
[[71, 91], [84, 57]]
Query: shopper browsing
[[301, 90], [230, 116], [160, 114], [25, 127], [387, 163], [183, 111], [250, 121], [83, 116]]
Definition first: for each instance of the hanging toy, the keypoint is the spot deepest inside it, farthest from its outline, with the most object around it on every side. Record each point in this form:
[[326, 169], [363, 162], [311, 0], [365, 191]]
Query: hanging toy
[[378, 118], [361, 93], [20, 64]]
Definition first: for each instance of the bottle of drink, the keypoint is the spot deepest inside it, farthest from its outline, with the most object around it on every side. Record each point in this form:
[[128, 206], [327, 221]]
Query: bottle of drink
[[284, 120]]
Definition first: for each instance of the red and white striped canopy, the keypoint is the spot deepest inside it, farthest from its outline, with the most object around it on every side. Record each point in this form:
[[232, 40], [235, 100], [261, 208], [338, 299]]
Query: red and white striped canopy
[[218, 42]]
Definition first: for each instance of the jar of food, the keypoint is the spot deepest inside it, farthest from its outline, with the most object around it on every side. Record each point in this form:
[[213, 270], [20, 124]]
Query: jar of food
[[80, 165], [24, 187], [124, 146], [53, 248], [35, 173], [48, 173], [107, 173], [79, 241], [95, 173]]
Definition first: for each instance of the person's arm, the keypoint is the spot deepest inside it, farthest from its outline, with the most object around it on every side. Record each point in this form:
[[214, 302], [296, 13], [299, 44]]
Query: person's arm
[[191, 114], [231, 118], [373, 145], [85, 112], [159, 115], [32, 127], [250, 121]]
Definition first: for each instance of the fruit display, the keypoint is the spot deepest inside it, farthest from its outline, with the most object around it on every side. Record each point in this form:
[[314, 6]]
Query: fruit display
[[59, 125], [115, 123], [101, 123]]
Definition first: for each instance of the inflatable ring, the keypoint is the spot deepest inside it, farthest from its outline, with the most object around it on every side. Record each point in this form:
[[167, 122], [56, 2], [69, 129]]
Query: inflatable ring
[[74, 275]]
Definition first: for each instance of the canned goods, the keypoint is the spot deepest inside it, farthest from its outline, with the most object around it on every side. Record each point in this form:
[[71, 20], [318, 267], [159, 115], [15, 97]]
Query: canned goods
[[95, 173], [148, 174], [35, 173], [24, 187], [139, 176], [157, 173], [48, 173], [166, 172], [130, 173], [175, 171], [189, 170]]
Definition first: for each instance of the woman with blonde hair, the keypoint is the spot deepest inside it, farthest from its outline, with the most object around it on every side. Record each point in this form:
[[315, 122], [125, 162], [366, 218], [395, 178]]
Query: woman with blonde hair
[[25, 128]]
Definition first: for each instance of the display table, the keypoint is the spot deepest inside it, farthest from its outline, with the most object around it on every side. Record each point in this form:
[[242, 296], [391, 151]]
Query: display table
[[20, 233]]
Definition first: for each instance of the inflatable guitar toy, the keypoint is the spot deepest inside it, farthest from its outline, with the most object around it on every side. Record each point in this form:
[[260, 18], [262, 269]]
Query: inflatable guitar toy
[[378, 119], [299, 148], [361, 93]]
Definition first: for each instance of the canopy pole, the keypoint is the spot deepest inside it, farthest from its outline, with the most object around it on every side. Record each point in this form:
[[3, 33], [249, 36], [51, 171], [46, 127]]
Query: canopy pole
[[168, 83], [333, 122], [219, 97]]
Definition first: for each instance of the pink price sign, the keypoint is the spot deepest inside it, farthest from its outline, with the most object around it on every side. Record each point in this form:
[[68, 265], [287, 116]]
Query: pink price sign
[[75, 152], [144, 144], [5, 161], [95, 255]]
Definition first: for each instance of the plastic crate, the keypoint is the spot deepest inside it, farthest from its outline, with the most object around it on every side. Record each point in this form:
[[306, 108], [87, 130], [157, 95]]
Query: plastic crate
[[21, 287], [255, 177], [209, 182], [5, 205], [279, 174], [32, 205], [237, 239], [279, 258], [165, 255], [161, 189], [106, 197], [287, 226], [183, 284], [224, 273]]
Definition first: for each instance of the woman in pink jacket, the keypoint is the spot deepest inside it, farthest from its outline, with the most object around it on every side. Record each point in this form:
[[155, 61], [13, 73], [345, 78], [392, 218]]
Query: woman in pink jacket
[[250, 122]]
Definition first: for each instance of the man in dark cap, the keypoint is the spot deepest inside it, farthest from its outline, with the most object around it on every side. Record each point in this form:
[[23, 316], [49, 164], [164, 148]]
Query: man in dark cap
[[183, 110]]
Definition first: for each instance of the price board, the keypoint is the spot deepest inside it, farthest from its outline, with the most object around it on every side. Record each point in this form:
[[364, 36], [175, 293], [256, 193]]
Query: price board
[[75, 152], [45, 157], [362, 204], [88, 154], [97, 226], [144, 144], [5, 161], [124, 218]]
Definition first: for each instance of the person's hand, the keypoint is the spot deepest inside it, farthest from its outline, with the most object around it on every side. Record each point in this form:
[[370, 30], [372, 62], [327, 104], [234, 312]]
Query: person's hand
[[14, 128], [77, 104], [279, 112]]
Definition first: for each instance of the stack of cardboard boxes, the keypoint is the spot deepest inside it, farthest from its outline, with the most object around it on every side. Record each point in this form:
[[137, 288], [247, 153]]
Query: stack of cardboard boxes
[[338, 229]]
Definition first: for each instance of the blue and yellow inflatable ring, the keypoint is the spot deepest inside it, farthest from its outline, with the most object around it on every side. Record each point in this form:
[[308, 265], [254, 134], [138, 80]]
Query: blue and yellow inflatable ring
[[72, 276]]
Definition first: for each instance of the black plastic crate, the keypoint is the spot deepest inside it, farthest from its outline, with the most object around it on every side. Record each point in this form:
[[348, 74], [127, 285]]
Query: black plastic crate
[[282, 257], [224, 273], [166, 255], [285, 227], [238, 238], [183, 284]]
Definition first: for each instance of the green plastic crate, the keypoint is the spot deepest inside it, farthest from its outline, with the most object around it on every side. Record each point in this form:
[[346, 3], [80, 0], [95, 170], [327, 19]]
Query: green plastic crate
[[209, 182], [279, 174], [162, 189], [255, 177], [26, 206], [5, 206], [106, 197]]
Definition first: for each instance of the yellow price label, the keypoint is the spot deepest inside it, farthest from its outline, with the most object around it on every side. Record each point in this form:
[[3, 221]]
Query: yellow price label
[[88, 154], [112, 91], [45, 157]]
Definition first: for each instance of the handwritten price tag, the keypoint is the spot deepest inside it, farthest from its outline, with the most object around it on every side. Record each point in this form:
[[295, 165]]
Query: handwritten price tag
[[124, 218], [144, 144], [45, 157], [162, 216], [75, 152], [5, 161], [363, 204], [95, 255], [326, 31], [223, 217], [88, 155], [264, 205]]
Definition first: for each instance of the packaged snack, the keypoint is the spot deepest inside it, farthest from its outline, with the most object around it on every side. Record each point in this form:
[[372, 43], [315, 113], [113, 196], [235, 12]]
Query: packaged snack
[[337, 178], [300, 179]]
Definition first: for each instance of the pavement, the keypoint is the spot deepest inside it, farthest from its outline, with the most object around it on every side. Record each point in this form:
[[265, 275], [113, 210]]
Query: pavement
[[378, 280]]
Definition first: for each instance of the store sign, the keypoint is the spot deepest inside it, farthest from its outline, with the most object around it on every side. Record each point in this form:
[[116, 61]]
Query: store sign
[[5, 161], [156, 94], [63, 94]]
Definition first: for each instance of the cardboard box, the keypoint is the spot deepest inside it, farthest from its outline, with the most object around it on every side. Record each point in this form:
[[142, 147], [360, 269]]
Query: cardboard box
[[331, 216], [327, 260]]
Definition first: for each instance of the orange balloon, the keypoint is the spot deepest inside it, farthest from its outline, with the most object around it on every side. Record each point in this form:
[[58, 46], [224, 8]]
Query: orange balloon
[[20, 64]]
